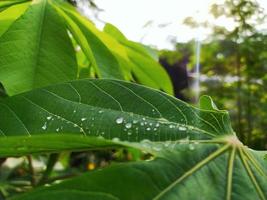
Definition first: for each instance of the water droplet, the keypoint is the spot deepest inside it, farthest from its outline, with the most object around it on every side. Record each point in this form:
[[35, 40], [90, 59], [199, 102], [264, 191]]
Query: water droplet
[[157, 125], [143, 118], [49, 117], [128, 125], [191, 146], [44, 126], [75, 125], [129, 133], [135, 121], [119, 120], [155, 129], [83, 119], [57, 129], [74, 111], [182, 128], [150, 124], [115, 139], [171, 126], [142, 123], [100, 111], [81, 130], [148, 128]]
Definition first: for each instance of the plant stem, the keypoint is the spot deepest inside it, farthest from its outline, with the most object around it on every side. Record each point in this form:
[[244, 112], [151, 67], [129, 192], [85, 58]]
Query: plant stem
[[53, 158], [31, 170]]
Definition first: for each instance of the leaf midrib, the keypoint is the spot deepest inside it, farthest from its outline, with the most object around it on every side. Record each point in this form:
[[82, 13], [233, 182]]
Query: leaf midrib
[[39, 37], [195, 168]]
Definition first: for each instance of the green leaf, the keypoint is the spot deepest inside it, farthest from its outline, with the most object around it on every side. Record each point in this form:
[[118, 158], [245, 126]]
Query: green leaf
[[143, 65], [90, 108], [42, 47], [197, 155], [105, 63], [36, 50], [206, 103], [7, 3], [207, 171], [8, 16]]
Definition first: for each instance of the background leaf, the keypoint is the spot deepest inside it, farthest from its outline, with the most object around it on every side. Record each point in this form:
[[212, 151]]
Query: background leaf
[[36, 50]]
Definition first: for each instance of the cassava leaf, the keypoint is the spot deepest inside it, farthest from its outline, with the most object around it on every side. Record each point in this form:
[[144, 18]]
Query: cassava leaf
[[107, 108], [36, 50], [143, 65], [207, 171], [197, 155], [38, 37]]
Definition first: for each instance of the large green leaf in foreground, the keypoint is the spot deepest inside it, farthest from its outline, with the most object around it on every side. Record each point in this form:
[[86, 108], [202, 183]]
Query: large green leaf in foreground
[[103, 108], [197, 155]]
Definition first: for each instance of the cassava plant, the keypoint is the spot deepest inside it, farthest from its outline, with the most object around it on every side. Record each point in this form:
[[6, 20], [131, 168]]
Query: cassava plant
[[46, 46]]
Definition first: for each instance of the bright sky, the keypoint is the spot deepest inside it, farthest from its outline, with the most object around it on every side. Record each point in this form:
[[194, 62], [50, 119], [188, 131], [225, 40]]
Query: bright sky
[[163, 18]]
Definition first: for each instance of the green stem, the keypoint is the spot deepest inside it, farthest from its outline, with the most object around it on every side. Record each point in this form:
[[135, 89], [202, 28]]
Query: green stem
[[31, 170], [53, 158]]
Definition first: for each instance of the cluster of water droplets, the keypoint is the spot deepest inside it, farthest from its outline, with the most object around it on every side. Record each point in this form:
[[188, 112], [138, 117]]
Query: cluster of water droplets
[[136, 129]]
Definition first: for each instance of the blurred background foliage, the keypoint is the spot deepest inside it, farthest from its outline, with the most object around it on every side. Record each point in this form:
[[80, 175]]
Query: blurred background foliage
[[233, 67]]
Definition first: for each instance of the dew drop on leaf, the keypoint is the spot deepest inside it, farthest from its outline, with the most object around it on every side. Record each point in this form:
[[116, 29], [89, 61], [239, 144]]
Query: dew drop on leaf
[[135, 121], [115, 139], [171, 126], [182, 128], [191, 146], [119, 120], [128, 125], [83, 119], [44, 126], [145, 143], [49, 117]]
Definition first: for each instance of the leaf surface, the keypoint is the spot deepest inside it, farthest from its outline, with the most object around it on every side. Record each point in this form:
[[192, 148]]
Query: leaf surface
[[197, 155], [36, 50], [109, 109]]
